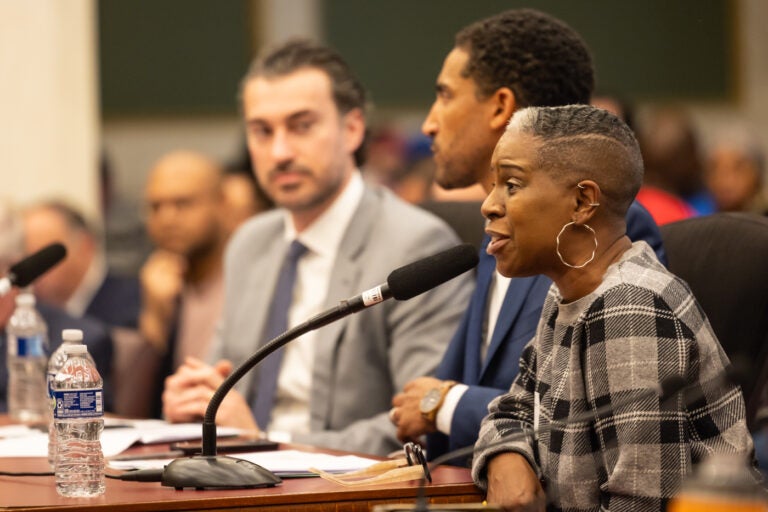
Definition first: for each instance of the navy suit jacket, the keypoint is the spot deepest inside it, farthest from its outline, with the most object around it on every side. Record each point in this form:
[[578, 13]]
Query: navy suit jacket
[[516, 325], [117, 302], [95, 335]]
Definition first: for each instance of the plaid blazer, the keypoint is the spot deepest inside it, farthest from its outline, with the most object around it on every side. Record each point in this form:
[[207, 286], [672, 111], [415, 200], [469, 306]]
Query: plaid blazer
[[612, 348]]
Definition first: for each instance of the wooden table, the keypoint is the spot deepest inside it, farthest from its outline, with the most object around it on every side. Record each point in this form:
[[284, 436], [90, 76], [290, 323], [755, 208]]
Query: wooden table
[[450, 485]]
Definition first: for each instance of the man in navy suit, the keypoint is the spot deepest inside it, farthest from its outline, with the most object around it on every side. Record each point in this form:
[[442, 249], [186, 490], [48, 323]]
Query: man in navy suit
[[512, 60], [81, 284]]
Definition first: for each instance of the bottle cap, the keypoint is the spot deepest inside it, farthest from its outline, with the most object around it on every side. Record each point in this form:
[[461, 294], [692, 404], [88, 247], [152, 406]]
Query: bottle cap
[[75, 349], [25, 299], [72, 335]]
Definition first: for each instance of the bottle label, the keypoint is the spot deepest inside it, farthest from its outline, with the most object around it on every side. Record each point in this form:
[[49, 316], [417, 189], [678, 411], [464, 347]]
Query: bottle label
[[78, 403], [30, 346]]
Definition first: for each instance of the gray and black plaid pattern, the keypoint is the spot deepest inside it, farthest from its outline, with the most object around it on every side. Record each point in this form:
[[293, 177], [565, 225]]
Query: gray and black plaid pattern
[[613, 348]]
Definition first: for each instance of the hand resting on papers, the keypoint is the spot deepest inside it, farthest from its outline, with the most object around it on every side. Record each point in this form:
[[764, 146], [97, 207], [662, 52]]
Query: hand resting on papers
[[188, 391]]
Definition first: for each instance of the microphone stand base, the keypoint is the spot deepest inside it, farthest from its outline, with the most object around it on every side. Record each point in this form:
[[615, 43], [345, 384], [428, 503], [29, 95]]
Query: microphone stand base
[[216, 472]]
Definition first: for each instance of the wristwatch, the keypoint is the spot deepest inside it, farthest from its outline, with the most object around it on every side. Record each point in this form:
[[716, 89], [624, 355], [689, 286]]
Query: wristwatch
[[433, 399]]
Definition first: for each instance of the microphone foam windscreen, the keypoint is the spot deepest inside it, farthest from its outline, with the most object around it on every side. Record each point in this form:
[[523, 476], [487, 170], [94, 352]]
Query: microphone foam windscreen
[[416, 278], [31, 267]]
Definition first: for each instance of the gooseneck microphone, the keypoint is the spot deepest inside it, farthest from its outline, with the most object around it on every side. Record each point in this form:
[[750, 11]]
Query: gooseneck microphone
[[33, 266], [209, 471]]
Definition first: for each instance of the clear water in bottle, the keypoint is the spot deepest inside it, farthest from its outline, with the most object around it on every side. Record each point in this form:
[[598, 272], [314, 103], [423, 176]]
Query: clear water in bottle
[[78, 422], [55, 362], [27, 337]]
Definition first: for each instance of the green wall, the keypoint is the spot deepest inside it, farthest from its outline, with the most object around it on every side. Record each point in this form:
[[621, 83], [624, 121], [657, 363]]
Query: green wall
[[187, 56], [172, 56], [644, 49]]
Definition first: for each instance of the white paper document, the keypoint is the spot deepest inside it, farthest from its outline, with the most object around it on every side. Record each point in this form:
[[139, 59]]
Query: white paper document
[[280, 462], [159, 431], [113, 441], [117, 436]]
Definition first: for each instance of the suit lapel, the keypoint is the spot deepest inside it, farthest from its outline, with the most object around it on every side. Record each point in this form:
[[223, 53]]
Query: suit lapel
[[344, 283]]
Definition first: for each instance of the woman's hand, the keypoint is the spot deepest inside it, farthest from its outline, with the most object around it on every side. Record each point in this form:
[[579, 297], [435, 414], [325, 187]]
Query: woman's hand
[[513, 485]]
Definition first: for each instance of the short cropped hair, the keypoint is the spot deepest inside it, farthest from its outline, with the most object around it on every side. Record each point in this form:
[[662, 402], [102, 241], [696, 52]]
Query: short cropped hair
[[581, 142], [540, 58], [346, 89]]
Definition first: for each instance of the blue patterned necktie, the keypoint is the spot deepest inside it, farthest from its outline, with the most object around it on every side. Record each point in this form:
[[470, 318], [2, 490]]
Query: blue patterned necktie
[[277, 323]]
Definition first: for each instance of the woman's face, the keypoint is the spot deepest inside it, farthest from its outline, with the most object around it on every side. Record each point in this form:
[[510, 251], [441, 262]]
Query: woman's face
[[526, 209]]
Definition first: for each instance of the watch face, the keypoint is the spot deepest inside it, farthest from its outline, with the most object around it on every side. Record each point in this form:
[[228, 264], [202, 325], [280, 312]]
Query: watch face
[[430, 400]]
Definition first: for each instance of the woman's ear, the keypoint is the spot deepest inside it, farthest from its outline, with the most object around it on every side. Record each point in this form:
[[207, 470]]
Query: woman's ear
[[587, 200], [504, 105]]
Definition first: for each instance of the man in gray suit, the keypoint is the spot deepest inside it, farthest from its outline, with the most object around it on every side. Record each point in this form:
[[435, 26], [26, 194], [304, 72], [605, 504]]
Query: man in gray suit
[[304, 116]]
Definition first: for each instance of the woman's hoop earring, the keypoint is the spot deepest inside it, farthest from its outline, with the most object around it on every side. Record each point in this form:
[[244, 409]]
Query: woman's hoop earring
[[558, 245]]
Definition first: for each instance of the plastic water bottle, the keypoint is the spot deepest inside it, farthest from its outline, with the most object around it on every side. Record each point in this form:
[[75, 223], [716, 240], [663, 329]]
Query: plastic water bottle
[[27, 336], [78, 419], [55, 363]]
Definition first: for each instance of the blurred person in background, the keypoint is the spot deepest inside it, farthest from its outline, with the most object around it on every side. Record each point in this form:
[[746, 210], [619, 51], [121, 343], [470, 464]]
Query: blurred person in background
[[616, 104], [243, 196], [386, 156], [96, 335], [86, 287], [82, 284], [735, 172], [182, 280], [673, 187]]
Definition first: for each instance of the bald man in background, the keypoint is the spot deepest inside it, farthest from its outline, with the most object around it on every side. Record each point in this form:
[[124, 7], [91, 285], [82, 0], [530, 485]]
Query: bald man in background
[[182, 287]]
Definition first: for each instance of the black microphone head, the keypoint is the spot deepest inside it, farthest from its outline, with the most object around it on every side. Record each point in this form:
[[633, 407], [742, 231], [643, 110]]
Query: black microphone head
[[36, 264], [416, 278]]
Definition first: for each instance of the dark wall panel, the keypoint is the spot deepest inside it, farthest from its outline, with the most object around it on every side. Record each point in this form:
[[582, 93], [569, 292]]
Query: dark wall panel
[[645, 49], [172, 56], [187, 56]]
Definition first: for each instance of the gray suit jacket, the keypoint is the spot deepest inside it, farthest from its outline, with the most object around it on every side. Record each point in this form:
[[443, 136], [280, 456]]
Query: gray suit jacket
[[362, 360]]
